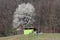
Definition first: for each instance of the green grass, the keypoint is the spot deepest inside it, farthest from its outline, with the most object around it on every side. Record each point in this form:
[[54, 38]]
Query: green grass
[[45, 36]]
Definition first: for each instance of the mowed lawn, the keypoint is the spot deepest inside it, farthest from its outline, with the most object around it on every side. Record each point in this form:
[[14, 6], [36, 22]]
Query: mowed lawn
[[44, 36]]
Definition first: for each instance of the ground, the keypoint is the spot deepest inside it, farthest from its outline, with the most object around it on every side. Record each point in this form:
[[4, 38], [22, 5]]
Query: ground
[[44, 36]]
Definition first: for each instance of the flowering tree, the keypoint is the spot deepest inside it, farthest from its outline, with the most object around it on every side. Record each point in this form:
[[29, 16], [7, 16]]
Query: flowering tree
[[24, 15]]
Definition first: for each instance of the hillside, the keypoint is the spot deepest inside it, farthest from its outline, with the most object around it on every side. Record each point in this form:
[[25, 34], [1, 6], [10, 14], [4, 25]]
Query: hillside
[[44, 36]]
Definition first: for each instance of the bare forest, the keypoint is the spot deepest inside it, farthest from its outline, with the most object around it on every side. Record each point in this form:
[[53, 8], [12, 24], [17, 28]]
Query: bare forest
[[47, 18]]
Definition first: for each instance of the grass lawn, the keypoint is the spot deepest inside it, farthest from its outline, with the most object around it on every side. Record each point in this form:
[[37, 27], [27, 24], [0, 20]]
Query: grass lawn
[[45, 36]]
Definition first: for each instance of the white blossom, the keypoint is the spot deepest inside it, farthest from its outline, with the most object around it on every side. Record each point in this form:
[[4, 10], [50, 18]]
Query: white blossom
[[23, 13]]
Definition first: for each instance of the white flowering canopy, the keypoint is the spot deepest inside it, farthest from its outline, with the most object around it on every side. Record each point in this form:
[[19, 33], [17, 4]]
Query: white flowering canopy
[[23, 14]]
